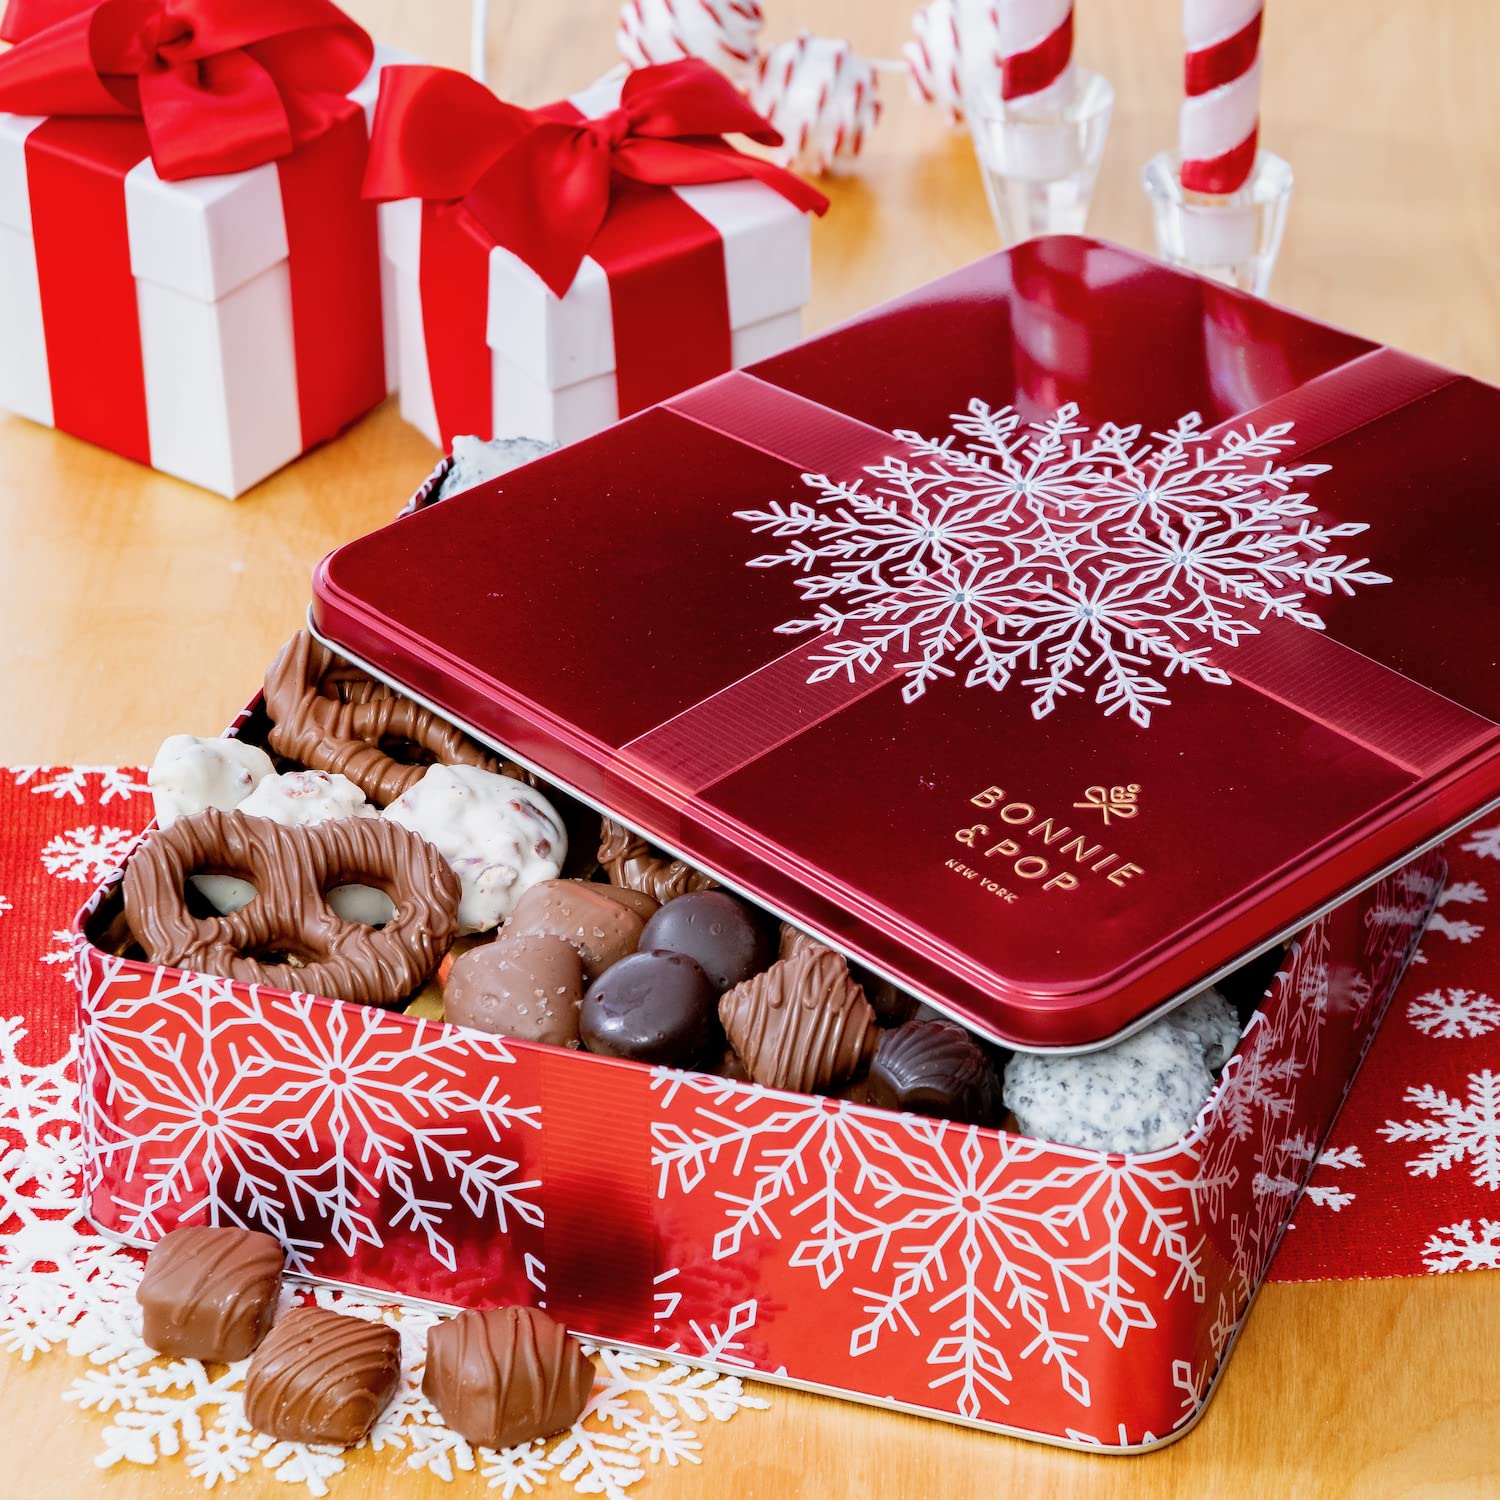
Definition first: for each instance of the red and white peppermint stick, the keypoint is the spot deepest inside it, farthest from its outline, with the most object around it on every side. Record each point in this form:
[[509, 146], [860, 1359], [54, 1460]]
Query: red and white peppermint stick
[[1035, 41], [722, 32], [1221, 113]]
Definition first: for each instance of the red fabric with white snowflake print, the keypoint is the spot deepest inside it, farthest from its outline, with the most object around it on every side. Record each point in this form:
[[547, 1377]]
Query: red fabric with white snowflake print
[[1410, 1182]]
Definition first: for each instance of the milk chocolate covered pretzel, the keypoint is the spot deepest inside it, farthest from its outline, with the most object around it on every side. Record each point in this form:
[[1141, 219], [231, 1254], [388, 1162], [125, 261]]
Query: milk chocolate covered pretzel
[[291, 869], [331, 717], [630, 862]]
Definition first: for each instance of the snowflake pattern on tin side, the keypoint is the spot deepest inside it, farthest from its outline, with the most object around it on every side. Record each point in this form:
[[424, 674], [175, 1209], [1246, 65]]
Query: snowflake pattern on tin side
[[1083, 560]]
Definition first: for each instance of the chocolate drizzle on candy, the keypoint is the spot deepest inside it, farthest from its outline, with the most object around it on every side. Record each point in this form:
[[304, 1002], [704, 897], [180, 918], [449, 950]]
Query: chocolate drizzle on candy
[[629, 861], [803, 1025], [291, 869], [210, 1294], [320, 1377], [505, 1376], [331, 717]]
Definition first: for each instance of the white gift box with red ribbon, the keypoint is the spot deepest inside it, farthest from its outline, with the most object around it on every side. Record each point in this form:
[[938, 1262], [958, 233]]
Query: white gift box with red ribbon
[[554, 362], [216, 384]]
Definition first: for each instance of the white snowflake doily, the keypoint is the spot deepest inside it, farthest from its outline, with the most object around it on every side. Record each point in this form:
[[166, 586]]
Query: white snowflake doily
[[62, 1286], [1076, 557]]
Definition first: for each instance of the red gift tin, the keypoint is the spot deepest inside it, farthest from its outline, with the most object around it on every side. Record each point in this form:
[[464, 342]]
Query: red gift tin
[[1051, 712]]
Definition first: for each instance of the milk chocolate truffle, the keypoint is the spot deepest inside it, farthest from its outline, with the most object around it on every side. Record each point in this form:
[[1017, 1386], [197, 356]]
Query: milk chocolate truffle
[[728, 940], [603, 924], [322, 1378], [804, 1024], [891, 1004], [934, 1068], [654, 1008], [210, 1294], [631, 862], [525, 985], [505, 1376]]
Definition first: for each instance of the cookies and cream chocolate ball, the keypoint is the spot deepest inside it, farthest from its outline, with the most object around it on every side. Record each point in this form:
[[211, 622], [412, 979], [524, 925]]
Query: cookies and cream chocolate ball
[[1140, 1094], [526, 985], [190, 774], [1211, 1019], [730, 941], [604, 923], [499, 836]]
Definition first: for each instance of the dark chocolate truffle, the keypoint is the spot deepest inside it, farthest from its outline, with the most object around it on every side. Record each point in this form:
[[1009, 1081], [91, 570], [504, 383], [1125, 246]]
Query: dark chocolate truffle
[[934, 1068], [653, 1007], [210, 1294], [525, 985], [603, 927], [320, 1377], [506, 1375], [804, 1024], [728, 940]]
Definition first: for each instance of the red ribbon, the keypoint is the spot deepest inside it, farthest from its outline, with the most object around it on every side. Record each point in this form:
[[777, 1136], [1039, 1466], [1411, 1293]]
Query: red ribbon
[[220, 85], [206, 86], [553, 187]]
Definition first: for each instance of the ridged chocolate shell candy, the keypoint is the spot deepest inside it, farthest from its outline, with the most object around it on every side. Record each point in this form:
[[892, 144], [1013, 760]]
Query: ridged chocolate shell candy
[[934, 1068], [320, 1377], [505, 1376], [630, 861], [803, 1025], [210, 1294]]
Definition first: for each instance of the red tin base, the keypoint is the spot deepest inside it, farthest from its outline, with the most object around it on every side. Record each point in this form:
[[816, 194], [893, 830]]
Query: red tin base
[[966, 1273]]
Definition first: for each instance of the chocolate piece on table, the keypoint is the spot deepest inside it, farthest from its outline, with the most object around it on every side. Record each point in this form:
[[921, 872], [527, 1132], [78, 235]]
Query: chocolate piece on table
[[505, 1376], [603, 929], [630, 861], [729, 940], [654, 1008], [321, 1377], [525, 985], [934, 1068], [892, 1005], [210, 1294], [804, 1024]]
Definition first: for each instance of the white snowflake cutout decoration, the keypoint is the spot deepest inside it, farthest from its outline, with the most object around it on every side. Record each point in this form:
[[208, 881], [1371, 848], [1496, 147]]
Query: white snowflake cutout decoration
[[1083, 559]]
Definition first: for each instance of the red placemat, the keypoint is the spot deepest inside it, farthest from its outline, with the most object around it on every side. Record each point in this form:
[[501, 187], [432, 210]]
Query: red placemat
[[1410, 1182]]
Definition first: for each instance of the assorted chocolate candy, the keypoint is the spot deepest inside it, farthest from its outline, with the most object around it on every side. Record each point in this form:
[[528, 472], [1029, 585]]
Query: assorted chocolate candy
[[376, 854], [498, 1377]]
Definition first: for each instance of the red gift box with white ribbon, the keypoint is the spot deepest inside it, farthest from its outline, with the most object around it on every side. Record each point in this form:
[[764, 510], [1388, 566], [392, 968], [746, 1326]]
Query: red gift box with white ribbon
[[560, 268], [188, 274]]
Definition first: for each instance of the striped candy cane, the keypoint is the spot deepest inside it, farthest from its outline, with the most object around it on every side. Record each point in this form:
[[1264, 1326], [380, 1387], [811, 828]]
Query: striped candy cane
[[1221, 113], [723, 32], [1035, 42]]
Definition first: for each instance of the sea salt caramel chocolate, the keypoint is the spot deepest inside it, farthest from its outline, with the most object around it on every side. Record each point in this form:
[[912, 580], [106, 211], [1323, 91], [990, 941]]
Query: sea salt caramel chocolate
[[803, 1025], [631, 862], [210, 1293], [320, 1377], [505, 1376], [331, 717], [525, 985], [603, 922], [291, 869]]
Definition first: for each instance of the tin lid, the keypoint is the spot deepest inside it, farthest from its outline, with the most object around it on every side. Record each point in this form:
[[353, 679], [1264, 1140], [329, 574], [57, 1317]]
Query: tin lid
[[1032, 713]]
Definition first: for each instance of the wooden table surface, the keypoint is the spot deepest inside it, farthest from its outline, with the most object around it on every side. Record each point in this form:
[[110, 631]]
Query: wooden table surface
[[132, 606]]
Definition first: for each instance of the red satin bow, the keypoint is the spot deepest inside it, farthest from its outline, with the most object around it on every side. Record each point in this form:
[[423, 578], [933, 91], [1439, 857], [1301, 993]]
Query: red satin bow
[[221, 85], [540, 185]]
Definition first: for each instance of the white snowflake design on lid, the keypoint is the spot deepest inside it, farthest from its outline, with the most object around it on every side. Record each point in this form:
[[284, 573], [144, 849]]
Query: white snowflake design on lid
[[1085, 560]]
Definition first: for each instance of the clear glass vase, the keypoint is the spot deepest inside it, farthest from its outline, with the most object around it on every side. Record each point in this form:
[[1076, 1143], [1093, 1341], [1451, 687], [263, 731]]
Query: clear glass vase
[[1039, 164], [1233, 238]]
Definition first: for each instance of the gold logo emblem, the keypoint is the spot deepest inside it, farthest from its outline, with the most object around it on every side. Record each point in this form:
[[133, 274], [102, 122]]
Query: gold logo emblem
[[1111, 801]]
